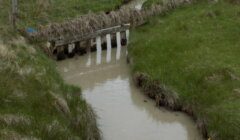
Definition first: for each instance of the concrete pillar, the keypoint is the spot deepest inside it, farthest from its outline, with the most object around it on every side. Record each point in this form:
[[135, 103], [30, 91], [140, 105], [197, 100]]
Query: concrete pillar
[[118, 55], [99, 50], [109, 47], [127, 36], [71, 47]]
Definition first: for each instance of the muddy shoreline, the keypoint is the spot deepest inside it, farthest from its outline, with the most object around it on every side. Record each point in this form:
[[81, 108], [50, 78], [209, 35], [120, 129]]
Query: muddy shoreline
[[167, 98]]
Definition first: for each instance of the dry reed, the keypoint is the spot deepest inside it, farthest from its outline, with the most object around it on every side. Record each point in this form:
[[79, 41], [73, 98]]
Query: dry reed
[[92, 22]]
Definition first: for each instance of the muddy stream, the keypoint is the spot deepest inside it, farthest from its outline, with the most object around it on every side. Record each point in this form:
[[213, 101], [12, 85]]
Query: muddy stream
[[124, 113]]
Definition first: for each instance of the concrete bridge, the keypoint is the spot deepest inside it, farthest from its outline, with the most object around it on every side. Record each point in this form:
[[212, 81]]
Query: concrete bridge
[[63, 47], [86, 32]]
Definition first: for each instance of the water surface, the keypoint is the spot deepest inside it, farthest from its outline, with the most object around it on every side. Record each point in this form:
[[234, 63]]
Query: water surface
[[124, 113]]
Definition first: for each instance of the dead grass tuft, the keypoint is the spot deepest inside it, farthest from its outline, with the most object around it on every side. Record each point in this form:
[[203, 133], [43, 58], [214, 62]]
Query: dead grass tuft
[[24, 71], [87, 117], [237, 92], [6, 53], [60, 104], [10, 119], [55, 128], [12, 135], [21, 41], [17, 94], [221, 75]]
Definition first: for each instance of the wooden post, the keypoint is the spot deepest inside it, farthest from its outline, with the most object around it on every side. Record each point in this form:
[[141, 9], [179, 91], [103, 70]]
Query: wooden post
[[14, 13]]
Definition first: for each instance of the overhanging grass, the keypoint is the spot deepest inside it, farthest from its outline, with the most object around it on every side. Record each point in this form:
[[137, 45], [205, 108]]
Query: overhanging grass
[[195, 52], [36, 103]]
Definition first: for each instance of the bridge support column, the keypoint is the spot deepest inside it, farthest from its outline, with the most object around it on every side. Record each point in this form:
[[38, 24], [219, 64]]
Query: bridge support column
[[71, 47], [99, 49], [127, 36], [109, 47], [118, 35]]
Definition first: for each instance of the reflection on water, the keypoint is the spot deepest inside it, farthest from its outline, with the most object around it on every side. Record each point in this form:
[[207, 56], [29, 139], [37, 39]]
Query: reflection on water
[[124, 112], [89, 60]]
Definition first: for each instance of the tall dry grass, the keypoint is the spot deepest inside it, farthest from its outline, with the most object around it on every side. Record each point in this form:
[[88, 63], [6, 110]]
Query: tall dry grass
[[92, 22], [6, 53]]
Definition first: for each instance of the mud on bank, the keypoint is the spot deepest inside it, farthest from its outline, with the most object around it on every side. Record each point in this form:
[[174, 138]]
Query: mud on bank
[[188, 61], [168, 98]]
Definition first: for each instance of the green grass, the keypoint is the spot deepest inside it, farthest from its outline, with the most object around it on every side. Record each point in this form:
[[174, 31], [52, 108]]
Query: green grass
[[35, 102], [33, 13], [195, 51], [149, 3]]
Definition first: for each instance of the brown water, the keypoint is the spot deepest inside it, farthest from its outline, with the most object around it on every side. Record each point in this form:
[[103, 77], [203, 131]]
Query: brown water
[[124, 113]]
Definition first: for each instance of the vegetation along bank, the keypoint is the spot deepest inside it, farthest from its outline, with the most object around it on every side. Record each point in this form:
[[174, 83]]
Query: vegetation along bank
[[35, 103], [188, 60]]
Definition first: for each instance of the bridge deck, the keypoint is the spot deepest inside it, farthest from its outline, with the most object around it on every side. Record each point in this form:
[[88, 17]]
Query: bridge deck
[[79, 38]]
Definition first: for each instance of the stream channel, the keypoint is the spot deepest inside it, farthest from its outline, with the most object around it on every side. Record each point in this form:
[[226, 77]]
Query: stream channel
[[124, 112]]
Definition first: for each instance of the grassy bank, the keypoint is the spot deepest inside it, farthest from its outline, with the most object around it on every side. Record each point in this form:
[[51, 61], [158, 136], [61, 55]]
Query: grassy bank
[[149, 3], [35, 103], [193, 54], [34, 13]]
